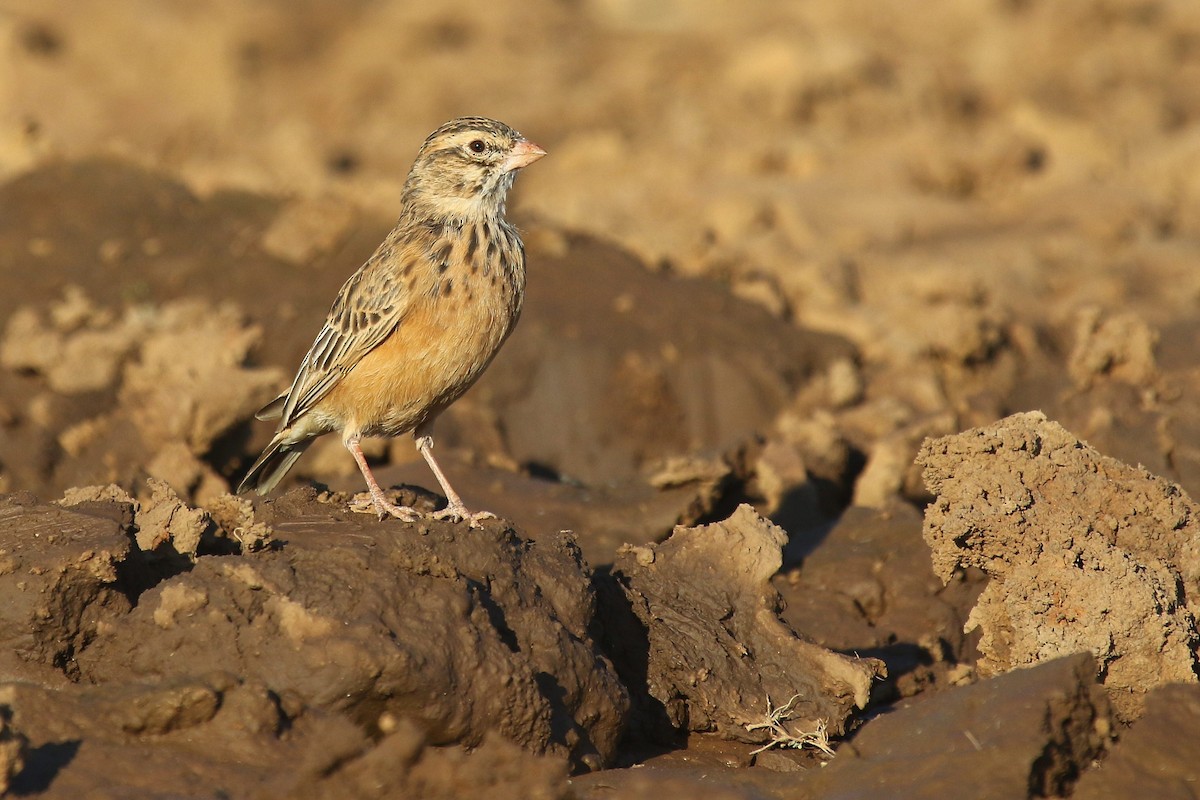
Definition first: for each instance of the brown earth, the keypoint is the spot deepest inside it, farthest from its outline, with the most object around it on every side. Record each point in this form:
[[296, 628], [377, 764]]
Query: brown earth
[[770, 487]]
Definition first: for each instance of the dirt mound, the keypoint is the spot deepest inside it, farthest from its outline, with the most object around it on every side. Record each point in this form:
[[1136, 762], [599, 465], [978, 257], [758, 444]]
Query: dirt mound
[[145, 619], [1084, 553], [717, 657], [242, 663], [506, 618]]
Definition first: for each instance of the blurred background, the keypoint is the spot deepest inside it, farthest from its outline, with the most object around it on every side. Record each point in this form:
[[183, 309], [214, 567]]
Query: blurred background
[[990, 205]]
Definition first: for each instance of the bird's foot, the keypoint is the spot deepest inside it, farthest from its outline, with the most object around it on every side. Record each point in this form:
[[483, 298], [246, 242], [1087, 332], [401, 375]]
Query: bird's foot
[[456, 512], [369, 503]]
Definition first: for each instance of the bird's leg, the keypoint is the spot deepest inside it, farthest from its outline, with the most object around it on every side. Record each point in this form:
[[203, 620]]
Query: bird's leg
[[379, 504], [454, 505]]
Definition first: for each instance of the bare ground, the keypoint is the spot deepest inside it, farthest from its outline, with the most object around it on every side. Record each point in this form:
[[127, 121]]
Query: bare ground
[[852, 419]]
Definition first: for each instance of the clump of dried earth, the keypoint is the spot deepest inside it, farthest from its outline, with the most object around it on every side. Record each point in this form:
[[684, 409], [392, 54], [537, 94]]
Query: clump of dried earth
[[852, 419]]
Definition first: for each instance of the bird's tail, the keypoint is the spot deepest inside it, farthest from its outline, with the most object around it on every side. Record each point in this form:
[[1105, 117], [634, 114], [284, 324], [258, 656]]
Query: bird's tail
[[272, 465]]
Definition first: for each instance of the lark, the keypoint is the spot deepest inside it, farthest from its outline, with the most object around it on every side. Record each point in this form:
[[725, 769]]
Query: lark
[[420, 321]]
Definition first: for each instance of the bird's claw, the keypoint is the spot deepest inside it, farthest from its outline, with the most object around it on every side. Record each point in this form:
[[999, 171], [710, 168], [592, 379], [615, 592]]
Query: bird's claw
[[459, 513], [368, 504]]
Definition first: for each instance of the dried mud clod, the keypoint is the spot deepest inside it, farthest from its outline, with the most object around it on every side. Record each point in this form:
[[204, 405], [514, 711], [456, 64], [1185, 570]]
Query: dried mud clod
[[149, 389], [168, 530], [60, 583], [1085, 554], [1117, 346], [70, 570], [467, 635], [320, 650], [463, 631], [718, 656]]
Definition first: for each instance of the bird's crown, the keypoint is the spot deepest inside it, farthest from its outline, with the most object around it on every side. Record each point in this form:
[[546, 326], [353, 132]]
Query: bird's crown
[[465, 168]]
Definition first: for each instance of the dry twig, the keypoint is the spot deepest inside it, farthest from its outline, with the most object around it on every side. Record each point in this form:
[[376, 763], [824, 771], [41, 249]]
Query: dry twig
[[776, 723]]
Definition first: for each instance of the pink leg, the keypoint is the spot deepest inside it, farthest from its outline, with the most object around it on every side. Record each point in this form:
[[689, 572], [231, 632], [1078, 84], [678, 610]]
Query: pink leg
[[380, 503], [455, 509]]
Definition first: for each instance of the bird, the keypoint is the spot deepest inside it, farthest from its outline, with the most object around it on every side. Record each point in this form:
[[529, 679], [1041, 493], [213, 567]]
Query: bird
[[418, 323]]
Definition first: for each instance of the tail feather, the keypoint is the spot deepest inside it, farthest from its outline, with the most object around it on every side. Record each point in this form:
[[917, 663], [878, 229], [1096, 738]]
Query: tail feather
[[273, 409], [275, 462]]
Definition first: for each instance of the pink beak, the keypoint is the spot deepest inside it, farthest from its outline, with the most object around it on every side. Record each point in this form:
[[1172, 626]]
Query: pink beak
[[523, 153]]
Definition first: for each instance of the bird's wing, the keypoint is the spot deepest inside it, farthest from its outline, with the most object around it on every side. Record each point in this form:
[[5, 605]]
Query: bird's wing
[[369, 307]]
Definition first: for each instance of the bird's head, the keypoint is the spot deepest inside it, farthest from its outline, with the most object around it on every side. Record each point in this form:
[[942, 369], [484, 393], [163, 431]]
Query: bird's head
[[466, 167]]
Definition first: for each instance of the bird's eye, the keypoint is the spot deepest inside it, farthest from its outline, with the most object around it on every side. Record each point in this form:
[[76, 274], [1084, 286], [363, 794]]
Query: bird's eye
[[477, 146]]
